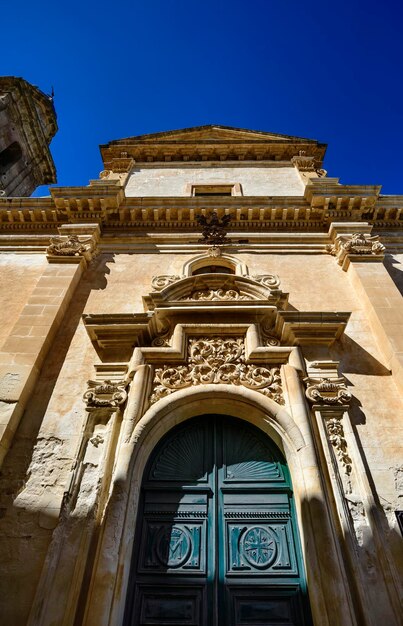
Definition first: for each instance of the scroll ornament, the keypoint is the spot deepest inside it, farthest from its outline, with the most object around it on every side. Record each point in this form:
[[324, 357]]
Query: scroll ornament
[[70, 246], [159, 283], [106, 394], [214, 360], [327, 391]]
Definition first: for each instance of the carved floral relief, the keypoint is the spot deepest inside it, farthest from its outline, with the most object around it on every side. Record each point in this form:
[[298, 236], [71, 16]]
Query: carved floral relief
[[335, 433], [215, 360], [69, 246]]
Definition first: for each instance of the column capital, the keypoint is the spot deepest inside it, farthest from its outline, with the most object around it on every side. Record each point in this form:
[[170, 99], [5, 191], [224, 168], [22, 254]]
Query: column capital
[[352, 241], [74, 244]]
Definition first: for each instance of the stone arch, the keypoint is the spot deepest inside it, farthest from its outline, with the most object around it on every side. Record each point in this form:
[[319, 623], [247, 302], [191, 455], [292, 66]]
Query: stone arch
[[111, 572], [224, 260]]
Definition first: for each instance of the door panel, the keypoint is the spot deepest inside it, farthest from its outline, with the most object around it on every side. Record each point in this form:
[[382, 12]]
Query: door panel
[[217, 542]]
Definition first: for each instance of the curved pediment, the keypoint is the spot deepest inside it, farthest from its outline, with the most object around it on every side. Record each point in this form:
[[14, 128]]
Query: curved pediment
[[214, 288]]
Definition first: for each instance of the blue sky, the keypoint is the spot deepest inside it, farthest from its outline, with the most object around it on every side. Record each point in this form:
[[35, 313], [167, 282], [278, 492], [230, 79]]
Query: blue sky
[[325, 70]]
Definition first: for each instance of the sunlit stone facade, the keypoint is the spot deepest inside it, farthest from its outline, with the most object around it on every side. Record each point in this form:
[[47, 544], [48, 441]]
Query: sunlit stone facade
[[215, 271]]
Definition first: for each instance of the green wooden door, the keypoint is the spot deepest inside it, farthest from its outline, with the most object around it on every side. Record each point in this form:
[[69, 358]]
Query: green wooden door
[[216, 540]]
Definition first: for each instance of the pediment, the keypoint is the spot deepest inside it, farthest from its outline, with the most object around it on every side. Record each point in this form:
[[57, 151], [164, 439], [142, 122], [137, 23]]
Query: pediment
[[214, 133]]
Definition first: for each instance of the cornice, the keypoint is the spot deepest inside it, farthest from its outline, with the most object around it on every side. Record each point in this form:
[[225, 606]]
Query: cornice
[[105, 203]]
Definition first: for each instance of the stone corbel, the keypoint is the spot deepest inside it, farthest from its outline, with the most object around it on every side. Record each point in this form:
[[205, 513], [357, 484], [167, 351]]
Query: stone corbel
[[353, 241], [74, 244]]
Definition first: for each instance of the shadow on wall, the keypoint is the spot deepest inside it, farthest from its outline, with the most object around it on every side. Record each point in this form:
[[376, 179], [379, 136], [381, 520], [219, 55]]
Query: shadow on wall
[[395, 270], [24, 539]]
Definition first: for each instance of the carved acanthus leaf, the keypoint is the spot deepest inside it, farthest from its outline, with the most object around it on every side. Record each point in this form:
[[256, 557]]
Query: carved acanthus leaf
[[71, 246], [105, 394], [335, 433], [215, 360], [327, 391]]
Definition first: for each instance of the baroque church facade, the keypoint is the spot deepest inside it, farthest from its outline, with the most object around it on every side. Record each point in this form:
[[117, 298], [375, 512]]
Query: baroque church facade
[[201, 390]]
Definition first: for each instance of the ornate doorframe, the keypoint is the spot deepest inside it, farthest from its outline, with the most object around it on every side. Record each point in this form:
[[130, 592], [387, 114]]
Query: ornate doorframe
[[108, 590]]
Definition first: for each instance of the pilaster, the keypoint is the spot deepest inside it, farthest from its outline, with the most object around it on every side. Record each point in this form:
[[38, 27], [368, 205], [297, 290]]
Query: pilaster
[[361, 255], [24, 351]]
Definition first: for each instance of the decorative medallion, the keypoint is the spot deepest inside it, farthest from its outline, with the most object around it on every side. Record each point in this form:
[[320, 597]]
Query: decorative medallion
[[215, 360], [173, 546], [258, 547]]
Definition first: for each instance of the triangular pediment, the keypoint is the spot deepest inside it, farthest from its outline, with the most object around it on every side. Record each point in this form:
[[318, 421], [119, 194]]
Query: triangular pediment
[[213, 133]]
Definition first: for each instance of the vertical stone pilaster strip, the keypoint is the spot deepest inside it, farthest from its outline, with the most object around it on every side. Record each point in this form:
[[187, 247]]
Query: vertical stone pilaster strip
[[361, 255], [24, 351]]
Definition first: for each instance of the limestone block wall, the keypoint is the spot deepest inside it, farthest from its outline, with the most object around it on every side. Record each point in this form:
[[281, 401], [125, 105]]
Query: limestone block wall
[[19, 274], [256, 180]]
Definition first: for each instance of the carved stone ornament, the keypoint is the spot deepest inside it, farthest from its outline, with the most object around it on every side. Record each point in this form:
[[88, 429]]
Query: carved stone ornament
[[304, 163], [335, 433], [215, 360], [106, 394], [69, 246], [214, 251], [357, 243], [267, 280], [159, 283], [214, 229], [216, 294], [327, 391]]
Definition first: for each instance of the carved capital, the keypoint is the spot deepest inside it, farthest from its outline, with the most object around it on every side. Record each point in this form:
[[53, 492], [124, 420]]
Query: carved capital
[[330, 391], [358, 245], [105, 394], [215, 360], [71, 246]]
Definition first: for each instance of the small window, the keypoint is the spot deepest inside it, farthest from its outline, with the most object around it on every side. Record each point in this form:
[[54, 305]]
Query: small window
[[9, 156], [231, 189], [213, 269], [212, 190]]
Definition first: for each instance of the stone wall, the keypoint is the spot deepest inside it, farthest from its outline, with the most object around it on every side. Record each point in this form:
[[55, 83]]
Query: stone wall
[[257, 180]]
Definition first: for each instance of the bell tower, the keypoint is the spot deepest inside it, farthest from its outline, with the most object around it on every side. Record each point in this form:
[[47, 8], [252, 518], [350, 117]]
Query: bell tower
[[27, 126]]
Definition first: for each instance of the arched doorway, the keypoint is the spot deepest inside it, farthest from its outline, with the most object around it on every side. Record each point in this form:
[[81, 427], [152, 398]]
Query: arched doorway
[[217, 540]]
